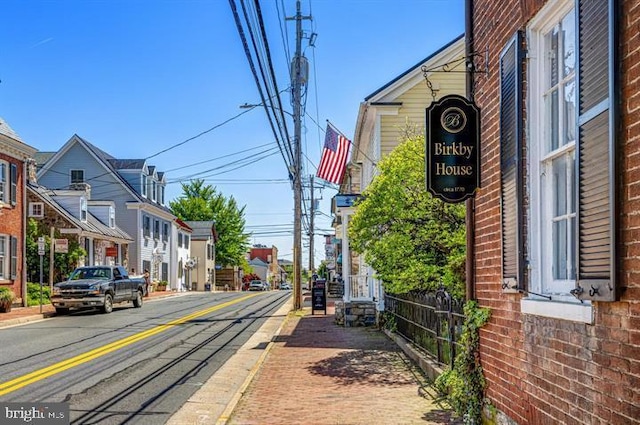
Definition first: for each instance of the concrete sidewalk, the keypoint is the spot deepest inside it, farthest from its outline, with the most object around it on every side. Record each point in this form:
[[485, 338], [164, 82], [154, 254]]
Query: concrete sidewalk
[[316, 372]]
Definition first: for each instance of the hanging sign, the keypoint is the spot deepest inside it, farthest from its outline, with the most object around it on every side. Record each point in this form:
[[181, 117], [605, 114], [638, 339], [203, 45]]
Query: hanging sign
[[452, 151]]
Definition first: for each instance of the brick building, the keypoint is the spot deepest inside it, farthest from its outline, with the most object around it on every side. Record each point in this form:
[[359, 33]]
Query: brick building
[[14, 155], [557, 222], [269, 256]]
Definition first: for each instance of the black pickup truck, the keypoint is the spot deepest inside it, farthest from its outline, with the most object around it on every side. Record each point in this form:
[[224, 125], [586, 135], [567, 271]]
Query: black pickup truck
[[97, 287]]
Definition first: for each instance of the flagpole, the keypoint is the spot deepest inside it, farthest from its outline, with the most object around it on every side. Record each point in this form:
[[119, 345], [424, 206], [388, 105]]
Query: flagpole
[[351, 143]]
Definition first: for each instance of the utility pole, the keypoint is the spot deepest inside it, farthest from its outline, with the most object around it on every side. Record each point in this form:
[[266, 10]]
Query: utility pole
[[297, 176]]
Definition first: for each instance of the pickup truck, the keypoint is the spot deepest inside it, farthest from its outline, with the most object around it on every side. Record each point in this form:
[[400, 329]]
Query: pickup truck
[[97, 287]]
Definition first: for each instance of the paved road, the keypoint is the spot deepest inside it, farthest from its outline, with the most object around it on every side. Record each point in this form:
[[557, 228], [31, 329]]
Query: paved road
[[134, 365]]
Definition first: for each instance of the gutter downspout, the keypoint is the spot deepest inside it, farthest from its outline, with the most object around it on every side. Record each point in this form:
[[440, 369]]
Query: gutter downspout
[[25, 175], [470, 203]]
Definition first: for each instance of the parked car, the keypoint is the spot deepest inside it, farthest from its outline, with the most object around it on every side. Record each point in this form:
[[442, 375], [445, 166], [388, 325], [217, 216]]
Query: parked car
[[267, 286], [285, 287], [256, 285], [97, 286]]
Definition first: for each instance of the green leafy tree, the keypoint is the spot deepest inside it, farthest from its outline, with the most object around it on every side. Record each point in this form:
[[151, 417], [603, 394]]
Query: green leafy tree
[[63, 263], [200, 202], [411, 239]]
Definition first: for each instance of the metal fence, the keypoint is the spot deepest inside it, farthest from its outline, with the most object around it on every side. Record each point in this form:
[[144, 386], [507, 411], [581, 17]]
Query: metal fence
[[431, 320]]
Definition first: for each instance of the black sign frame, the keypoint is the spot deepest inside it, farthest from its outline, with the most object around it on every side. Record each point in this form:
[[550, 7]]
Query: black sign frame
[[319, 296], [452, 149]]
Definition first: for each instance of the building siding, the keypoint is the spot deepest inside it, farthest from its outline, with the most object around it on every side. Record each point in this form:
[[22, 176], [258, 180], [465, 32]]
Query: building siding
[[541, 370]]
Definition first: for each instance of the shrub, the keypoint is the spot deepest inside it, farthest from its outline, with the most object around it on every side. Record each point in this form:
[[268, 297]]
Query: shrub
[[33, 294], [6, 294]]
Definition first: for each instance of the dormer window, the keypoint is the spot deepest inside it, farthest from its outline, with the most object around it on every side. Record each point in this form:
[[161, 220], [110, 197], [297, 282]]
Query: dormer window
[[162, 195], [77, 176], [36, 209], [112, 217], [154, 188], [144, 185], [83, 210]]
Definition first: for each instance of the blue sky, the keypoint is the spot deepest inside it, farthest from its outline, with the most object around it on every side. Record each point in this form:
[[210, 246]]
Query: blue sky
[[135, 77]]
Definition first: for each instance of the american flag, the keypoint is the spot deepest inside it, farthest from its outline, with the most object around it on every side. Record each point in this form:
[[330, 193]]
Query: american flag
[[334, 156]]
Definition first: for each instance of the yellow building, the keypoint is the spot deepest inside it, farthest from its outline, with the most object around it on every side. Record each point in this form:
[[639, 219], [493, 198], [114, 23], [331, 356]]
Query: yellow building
[[385, 118]]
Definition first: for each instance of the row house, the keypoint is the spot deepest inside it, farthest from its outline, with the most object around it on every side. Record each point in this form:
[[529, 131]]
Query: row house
[[386, 117], [15, 155], [71, 215], [201, 266], [556, 219], [136, 190], [185, 263], [269, 256]]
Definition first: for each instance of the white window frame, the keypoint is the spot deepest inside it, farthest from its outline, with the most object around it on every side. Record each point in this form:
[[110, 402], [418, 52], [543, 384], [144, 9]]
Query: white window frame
[[143, 185], [112, 217], [36, 209], [154, 189], [562, 304], [5, 273], [83, 209], [162, 188], [5, 184], [76, 170]]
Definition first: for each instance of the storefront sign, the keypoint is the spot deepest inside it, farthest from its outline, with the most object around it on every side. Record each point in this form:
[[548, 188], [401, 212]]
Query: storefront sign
[[452, 150]]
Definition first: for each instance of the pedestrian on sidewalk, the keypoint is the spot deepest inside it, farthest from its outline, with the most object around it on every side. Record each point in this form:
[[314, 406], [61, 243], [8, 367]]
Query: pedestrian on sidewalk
[[147, 282]]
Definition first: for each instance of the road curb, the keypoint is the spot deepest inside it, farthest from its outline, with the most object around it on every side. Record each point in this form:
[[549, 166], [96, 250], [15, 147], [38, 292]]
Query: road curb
[[228, 411]]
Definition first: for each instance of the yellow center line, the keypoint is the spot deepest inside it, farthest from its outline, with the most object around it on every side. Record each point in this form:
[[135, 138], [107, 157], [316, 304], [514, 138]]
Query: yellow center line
[[37, 375]]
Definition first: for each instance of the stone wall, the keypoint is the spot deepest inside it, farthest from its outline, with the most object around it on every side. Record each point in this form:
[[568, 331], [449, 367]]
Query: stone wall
[[355, 313]]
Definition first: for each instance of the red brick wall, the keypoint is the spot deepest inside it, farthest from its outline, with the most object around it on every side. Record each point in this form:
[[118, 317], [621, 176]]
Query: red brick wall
[[11, 222], [542, 370]]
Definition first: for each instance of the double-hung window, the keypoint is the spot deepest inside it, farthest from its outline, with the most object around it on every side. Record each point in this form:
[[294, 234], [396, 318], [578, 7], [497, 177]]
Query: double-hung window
[[553, 155], [77, 176], [8, 183], [558, 182]]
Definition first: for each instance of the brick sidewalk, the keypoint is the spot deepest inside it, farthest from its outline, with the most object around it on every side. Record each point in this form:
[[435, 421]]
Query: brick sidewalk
[[319, 373]]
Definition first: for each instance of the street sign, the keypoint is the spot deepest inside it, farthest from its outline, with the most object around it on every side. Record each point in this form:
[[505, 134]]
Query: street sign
[[61, 246], [41, 245]]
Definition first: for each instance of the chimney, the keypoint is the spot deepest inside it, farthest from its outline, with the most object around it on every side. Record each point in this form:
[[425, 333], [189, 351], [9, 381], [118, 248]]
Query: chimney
[[32, 168], [86, 187]]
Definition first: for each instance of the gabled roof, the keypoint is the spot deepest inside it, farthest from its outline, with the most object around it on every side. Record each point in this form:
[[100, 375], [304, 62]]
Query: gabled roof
[[92, 226], [127, 164], [257, 262], [12, 144], [183, 225], [202, 230], [415, 67], [108, 162]]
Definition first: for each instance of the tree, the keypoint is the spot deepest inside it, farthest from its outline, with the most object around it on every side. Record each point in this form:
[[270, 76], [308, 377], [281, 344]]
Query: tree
[[412, 240], [63, 263], [200, 202]]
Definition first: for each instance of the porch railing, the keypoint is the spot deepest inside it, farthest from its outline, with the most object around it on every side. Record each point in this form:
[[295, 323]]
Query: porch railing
[[431, 320]]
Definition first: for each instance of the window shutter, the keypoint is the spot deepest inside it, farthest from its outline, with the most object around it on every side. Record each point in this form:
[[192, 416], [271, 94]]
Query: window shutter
[[13, 254], [596, 151], [511, 175], [14, 183]]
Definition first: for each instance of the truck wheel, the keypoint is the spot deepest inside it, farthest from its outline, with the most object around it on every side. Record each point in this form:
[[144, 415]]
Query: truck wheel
[[137, 301], [108, 304], [60, 311]]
